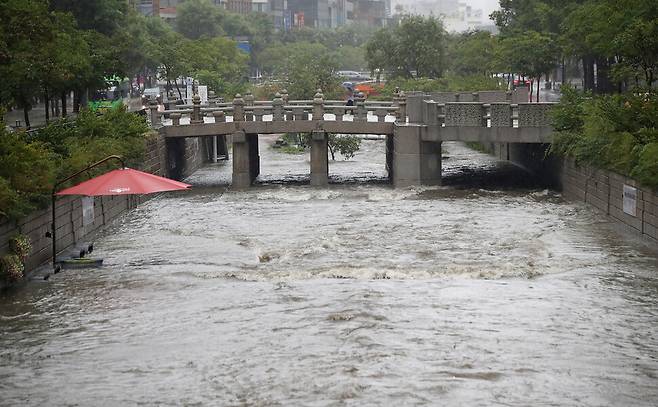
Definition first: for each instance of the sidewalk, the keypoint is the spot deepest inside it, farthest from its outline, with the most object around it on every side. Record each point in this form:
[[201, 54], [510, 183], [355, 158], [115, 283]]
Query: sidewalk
[[15, 119]]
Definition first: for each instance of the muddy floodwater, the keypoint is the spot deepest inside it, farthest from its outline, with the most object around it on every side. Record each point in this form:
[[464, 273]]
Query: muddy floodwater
[[489, 290]]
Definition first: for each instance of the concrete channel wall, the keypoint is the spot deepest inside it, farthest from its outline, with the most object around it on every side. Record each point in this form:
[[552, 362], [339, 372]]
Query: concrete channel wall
[[68, 209], [604, 190]]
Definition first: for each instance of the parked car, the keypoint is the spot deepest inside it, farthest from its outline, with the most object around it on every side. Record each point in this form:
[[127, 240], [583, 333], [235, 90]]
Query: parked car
[[517, 82], [151, 93], [353, 76]]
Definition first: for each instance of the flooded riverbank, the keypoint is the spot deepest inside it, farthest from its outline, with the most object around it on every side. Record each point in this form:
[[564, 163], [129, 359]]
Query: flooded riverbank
[[488, 290]]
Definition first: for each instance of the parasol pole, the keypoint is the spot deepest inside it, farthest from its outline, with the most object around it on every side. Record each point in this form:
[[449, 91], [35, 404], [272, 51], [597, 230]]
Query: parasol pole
[[53, 197]]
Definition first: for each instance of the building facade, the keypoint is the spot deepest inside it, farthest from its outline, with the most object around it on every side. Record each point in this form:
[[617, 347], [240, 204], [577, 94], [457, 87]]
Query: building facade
[[289, 14]]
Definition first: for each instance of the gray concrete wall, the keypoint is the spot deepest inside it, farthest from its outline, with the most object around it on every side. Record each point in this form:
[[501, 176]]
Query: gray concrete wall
[[184, 156], [604, 191], [68, 212]]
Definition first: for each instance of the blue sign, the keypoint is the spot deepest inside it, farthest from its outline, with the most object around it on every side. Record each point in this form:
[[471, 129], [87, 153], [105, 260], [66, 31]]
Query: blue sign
[[244, 46]]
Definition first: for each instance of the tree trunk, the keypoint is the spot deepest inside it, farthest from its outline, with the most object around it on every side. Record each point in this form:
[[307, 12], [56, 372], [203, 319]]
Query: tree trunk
[[332, 152], [64, 104], [46, 101], [603, 84], [588, 72], [531, 89], [650, 78], [180, 94], [538, 80], [564, 71], [26, 115], [76, 101]]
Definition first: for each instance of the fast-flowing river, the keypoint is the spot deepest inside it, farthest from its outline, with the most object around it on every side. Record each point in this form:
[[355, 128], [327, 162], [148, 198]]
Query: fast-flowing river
[[485, 291]]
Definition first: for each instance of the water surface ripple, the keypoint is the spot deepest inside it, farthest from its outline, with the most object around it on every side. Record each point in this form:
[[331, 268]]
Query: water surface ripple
[[357, 295]]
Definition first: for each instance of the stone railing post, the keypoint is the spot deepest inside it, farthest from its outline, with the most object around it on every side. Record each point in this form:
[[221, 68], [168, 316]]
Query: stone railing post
[[153, 110], [219, 116], [249, 101], [431, 113], [238, 108], [196, 110], [401, 114], [284, 97], [415, 105], [361, 114], [175, 119], [318, 105], [277, 108]]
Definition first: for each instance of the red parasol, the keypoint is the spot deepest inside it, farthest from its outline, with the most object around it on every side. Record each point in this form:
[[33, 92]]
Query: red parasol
[[124, 181]]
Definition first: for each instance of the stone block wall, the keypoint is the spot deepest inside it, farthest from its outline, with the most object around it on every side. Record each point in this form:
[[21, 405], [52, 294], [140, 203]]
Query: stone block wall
[[604, 190], [68, 209]]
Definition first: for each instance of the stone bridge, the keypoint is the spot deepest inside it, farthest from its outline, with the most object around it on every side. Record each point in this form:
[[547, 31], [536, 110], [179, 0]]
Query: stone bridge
[[414, 124]]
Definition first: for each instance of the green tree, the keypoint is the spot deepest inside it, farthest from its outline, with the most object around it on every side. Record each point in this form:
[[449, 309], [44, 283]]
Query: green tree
[[530, 54], [346, 145], [473, 53], [198, 18], [103, 16], [638, 45], [416, 47], [27, 32]]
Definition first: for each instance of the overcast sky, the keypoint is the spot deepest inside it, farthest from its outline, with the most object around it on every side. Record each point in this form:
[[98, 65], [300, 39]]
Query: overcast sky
[[487, 5]]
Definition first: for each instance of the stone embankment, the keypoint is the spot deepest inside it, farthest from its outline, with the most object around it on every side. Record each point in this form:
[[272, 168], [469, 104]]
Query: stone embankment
[[621, 198]]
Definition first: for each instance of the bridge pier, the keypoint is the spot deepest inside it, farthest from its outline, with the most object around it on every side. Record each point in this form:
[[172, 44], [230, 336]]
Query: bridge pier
[[254, 156], [246, 161], [415, 162], [319, 158]]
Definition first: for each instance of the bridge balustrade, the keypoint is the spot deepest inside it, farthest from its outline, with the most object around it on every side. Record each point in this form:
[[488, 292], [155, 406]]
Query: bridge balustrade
[[415, 125], [242, 109]]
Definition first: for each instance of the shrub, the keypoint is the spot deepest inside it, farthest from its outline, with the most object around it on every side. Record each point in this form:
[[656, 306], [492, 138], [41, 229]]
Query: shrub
[[21, 246], [346, 145], [11, 268], [30, 163], [451, 83], [616, 132]]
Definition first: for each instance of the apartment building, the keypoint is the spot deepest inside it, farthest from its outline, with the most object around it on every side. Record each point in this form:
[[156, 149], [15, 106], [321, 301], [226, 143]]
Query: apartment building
[[289, 14]]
